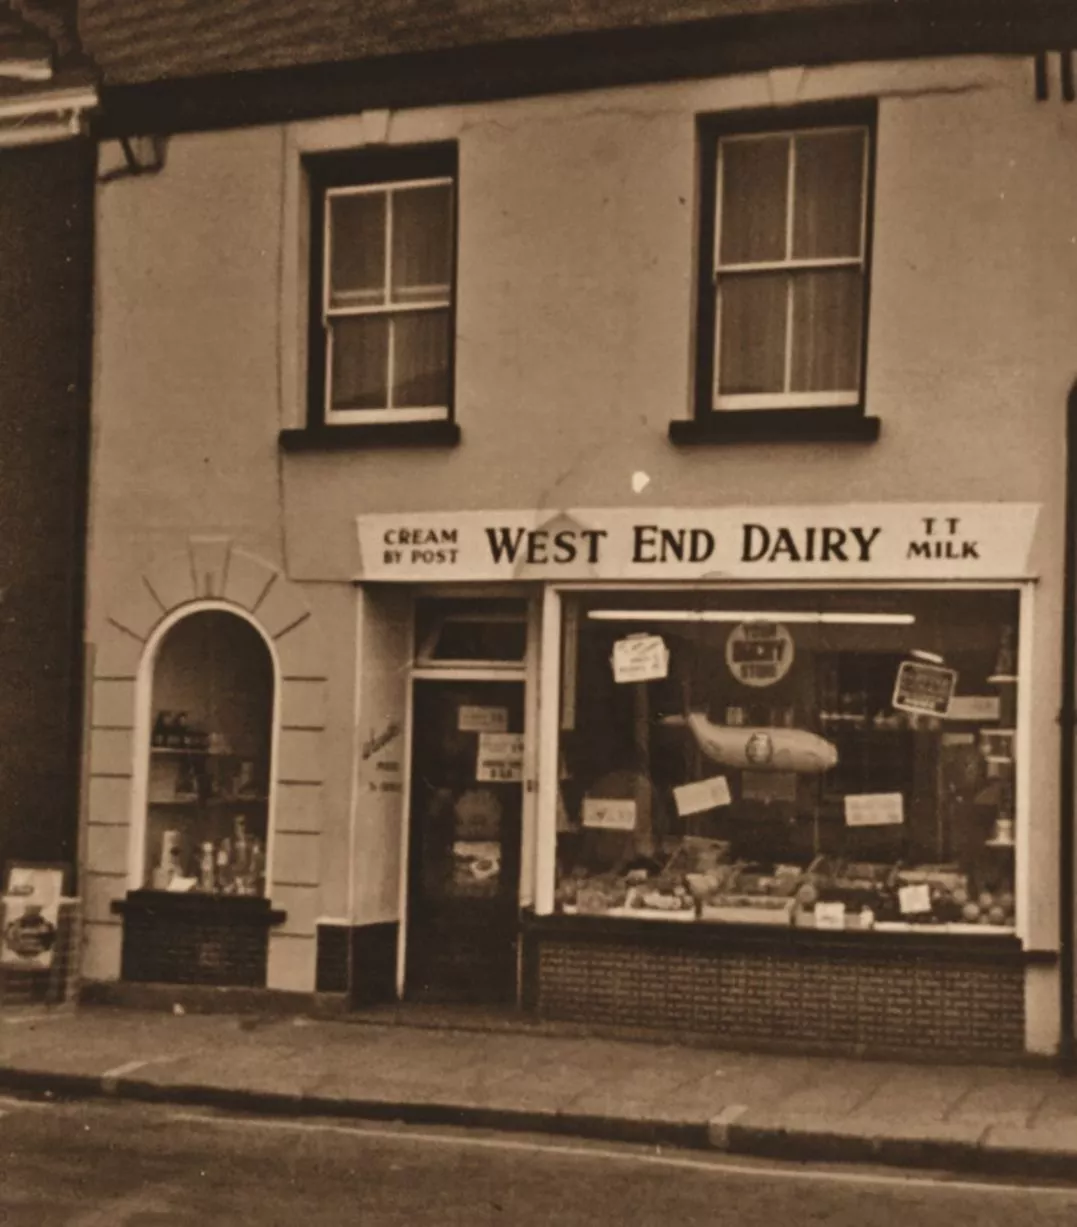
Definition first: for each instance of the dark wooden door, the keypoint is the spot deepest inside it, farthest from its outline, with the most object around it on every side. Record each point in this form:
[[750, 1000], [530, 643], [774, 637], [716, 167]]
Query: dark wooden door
[[464, 846]]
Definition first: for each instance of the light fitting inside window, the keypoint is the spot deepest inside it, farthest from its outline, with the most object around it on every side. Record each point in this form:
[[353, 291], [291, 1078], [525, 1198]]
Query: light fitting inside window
[[818, 617]]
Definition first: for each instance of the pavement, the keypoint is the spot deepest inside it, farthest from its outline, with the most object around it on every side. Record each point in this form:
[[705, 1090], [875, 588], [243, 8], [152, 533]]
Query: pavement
[[1014, 1120]]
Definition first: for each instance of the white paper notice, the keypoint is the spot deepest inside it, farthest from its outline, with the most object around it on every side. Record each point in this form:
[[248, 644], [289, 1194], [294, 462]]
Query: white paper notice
[[830, 915], [609, 813], [913, 900], [702, 795], [874, 809], [482, 719], [640, 658], [500, 758], [974, 707]]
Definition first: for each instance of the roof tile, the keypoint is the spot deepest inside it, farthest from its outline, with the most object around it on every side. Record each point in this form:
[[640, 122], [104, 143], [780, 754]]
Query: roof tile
[[144, 40]]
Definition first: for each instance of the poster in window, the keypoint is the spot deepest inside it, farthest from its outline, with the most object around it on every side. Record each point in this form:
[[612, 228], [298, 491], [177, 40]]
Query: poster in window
[[759, 653], [500, 758], [640, 658], [926, 689]]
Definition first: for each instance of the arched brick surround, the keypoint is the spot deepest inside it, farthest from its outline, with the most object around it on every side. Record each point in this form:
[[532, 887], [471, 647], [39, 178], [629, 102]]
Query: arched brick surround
[[209, 569]]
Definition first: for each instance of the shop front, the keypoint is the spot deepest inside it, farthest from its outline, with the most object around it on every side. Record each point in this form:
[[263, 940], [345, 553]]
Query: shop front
[[757, 773]]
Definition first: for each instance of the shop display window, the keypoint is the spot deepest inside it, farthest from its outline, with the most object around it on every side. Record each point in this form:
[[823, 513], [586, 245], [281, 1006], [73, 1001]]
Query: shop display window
[[835, 760], [208, 779]]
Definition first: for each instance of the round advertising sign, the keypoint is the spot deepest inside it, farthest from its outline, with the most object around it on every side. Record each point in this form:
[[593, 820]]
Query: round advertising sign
[[759, 653]]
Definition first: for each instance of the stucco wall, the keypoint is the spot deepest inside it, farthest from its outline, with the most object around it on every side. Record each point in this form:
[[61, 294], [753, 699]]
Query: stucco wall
[[574, 339]]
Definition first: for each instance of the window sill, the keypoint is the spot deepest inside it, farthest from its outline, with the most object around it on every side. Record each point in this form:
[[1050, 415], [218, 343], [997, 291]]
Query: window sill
[[837, 425], [323, 438]]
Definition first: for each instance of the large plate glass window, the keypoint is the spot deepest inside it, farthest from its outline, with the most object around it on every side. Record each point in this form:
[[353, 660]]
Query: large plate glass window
[[826, 760], [789, 267]]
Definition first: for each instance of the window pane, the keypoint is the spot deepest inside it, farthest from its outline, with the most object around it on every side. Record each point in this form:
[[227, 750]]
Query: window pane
[[422, 243], [755, 176], [360, 362], [827, 197], [357, 256], [780, 725], [752, 345], [421, 359], [827, 310]]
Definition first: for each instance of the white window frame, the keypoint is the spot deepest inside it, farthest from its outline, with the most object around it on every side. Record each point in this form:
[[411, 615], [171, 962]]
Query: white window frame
[[786, 399], [387, 309], [549, 703]]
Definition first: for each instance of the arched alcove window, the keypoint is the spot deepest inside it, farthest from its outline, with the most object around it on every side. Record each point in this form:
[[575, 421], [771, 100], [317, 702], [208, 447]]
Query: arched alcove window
[[207, 800]]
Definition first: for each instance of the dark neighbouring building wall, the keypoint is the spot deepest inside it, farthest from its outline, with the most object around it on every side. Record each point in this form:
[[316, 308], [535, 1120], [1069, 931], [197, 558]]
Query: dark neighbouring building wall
[[46, 227]]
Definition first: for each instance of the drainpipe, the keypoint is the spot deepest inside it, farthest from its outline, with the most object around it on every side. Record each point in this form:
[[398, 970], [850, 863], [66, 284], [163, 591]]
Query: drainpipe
[[1068, 722]]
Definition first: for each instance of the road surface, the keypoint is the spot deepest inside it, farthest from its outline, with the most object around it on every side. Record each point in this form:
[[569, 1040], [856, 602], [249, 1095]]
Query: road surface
[[114, 1164]]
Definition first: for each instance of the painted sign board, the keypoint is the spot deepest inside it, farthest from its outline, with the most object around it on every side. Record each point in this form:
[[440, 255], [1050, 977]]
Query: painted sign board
[[902, 541], [31, 916]]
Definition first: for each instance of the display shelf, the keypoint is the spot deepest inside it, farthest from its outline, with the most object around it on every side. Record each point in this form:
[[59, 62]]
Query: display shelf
[[197, 751], [208, 803]]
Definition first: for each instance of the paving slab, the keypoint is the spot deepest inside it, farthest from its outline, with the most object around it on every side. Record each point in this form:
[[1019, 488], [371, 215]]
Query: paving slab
[[835, 1090], [1010, 1101], [1058, 1139], [917, 1095], [798, 1107]]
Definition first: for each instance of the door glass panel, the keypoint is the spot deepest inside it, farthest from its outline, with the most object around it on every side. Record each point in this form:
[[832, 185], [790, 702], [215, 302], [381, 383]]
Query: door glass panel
[[466, 795]]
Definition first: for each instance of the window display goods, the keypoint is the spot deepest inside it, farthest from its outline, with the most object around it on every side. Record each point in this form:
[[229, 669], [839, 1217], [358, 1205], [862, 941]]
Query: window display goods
[[207, 797], [827, 760]]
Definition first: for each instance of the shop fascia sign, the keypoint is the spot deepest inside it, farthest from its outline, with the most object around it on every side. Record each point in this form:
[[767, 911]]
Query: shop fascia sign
[[955, 541]]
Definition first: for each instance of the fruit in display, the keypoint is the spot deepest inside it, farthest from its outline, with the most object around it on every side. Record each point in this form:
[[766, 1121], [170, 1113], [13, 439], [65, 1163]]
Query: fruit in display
[[971, 912]]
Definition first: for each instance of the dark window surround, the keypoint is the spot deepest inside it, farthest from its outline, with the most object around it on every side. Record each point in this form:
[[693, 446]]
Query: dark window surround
[[822, 423], [369, 165]]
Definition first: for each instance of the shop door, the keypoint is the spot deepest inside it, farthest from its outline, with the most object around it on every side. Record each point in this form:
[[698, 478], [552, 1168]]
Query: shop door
[[464, 855]]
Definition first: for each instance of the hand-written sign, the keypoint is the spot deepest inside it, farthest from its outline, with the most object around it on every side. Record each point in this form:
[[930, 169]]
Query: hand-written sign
[[702, 795], [923, 688], [609, 813], [640, 658], [500, 758], [874, 809]]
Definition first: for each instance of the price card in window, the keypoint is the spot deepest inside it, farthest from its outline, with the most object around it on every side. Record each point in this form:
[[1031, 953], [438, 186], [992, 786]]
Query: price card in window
[[500, 758], [914, 900], [874, 809], [640, 658], [609, 813], [702, 795], [830, 915]]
